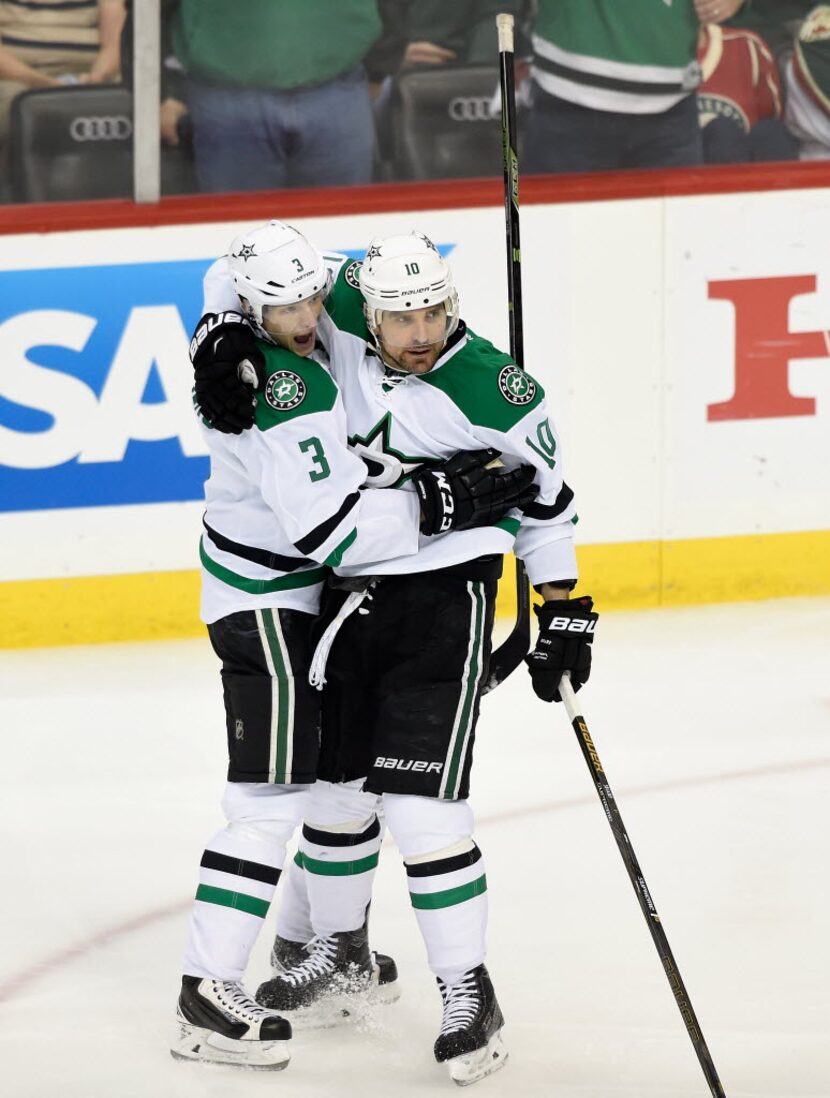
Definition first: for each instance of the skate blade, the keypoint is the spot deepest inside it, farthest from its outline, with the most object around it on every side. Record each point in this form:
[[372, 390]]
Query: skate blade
[[472, 1066], [206, 1047]]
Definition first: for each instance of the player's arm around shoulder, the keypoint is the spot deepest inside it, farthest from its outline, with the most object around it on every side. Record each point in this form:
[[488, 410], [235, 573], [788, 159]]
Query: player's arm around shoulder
[[344, 304]]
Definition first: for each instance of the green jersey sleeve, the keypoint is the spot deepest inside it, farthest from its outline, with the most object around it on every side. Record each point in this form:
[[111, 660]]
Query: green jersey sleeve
[[486, 385], [345, 302]]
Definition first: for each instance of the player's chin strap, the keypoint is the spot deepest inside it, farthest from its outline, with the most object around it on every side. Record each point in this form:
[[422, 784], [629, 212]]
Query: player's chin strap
[[317, 671]]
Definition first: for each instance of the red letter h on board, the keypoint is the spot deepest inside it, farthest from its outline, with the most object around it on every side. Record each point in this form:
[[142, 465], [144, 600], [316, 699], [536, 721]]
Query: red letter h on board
[[764, 346]]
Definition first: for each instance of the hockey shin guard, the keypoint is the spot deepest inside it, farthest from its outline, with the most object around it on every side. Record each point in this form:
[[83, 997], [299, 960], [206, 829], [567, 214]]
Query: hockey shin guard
[[238, 873], [446, 879], [339, 847]]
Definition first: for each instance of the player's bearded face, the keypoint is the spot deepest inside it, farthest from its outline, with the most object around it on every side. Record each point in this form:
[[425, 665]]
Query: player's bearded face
[[294, 326], [412, 341]]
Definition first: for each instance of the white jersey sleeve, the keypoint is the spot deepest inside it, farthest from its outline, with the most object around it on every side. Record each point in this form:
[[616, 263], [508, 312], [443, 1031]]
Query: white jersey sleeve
[[544, 541], [218, 289]]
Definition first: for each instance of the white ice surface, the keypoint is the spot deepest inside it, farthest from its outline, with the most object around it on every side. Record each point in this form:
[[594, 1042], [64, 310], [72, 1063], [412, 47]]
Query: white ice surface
[[712, 724]]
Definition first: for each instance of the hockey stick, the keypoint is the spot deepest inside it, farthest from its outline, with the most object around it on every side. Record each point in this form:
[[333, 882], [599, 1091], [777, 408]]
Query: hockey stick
[[635, 875], [511, 651]]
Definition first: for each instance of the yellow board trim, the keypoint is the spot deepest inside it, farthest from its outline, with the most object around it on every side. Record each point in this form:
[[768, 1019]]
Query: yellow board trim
[[620, 576]]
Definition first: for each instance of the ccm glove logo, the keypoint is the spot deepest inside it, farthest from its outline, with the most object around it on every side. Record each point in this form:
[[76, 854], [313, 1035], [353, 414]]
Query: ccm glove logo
[[447, 502]]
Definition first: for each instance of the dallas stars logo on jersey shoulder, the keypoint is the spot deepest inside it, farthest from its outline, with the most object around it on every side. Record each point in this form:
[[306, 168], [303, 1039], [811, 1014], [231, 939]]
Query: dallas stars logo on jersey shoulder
[[388, 467], [285, 390], [516, 387], [352, 274]]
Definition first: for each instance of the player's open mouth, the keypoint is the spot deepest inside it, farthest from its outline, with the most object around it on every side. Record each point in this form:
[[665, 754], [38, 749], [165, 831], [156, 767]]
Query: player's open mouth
[[304, 340]]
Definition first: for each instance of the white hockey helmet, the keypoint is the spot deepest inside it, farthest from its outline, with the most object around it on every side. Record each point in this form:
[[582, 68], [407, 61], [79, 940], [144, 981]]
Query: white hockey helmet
[[406, 272], [274, 265]]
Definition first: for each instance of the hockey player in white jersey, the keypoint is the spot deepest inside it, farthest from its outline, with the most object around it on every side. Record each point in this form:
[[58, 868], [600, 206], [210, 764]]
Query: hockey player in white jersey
[[284, 504], [403, 681]]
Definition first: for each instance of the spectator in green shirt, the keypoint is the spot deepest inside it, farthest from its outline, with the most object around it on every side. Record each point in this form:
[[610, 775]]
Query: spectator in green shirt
[[277, 92]]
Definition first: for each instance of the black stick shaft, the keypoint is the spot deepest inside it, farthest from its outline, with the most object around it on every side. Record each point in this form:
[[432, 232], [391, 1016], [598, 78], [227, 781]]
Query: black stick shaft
[[511, 652], [510, 163], [638, 881]]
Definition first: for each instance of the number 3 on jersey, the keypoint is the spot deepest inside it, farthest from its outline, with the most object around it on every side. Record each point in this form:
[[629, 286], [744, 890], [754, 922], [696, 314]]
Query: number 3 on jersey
[[315, 447]]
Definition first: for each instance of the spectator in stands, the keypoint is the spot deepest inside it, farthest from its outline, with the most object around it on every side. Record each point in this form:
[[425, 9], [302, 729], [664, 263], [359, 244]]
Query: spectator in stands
[[739, 100], [44, 43], [433, 32], [614, 84], [807, 78], [277, 92], [776, 21], [174, 114]]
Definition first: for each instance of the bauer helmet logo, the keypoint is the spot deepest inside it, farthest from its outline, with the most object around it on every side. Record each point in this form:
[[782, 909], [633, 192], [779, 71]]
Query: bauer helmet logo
[[516, 387], [285, 390]]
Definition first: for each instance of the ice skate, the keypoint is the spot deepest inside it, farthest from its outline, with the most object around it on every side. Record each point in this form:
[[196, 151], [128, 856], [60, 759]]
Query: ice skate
[[219, 1023], [336, 978], [470, 1041], [286, 954]]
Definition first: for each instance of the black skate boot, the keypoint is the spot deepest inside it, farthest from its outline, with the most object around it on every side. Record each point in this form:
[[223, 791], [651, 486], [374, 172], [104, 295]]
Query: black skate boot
[[219, 1023], [287, 954], [334, 980], [470, 1041]]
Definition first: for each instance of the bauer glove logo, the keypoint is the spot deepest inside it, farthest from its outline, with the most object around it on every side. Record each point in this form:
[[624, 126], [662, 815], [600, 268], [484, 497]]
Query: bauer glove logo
[[211, 323], [570, 625]]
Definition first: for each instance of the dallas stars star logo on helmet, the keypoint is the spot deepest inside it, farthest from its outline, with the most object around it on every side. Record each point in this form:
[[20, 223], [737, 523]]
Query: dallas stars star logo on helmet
[[285, 390], [516, 387], [352, 274]]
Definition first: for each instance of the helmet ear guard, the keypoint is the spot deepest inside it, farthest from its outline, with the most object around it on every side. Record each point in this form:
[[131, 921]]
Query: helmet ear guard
[[275, 265], [402, 273]]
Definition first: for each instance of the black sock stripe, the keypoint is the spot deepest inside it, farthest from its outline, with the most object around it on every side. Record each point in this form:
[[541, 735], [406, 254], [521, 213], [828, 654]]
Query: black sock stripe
[[255, 871], [341, 838], [444, 865]]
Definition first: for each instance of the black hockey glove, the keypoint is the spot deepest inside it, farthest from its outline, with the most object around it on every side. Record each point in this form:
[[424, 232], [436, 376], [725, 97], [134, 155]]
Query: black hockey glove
[[566, 633], [461, 492], [228, 365]]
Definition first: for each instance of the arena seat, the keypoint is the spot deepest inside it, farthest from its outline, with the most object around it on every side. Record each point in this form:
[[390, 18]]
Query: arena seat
[[70, 144], [441, 124]]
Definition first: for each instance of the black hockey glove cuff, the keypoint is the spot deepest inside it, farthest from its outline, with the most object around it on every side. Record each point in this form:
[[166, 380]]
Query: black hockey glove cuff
[[566, 633], [462, 493], [228, 365]]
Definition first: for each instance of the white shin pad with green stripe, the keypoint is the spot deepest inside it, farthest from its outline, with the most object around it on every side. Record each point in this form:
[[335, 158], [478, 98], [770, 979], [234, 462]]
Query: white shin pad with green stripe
[[339, 848], [446, 878], [238, 874]]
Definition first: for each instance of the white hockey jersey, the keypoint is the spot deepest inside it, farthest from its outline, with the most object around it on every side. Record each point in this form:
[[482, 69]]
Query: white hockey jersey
[[283, 500], [474, 397]]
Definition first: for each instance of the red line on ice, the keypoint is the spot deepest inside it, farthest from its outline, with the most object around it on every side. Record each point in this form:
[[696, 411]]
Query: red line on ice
[[10, 987]]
